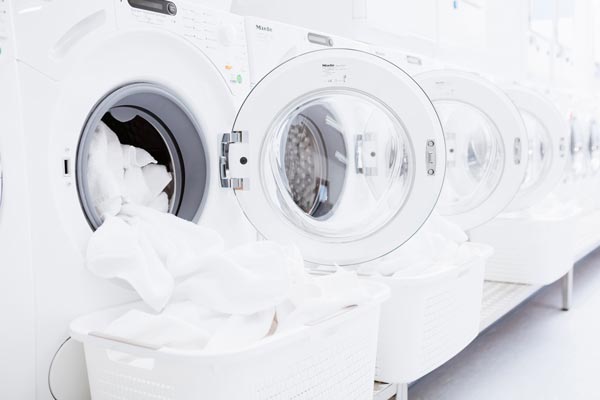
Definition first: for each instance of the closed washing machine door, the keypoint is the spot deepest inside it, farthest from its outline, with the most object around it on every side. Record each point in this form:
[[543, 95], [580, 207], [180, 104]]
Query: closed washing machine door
[[547, 135], [486, 142], [339, 152]]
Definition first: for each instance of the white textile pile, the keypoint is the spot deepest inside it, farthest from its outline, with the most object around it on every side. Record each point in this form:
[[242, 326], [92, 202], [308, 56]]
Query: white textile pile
[[437, 244], [199, 296]]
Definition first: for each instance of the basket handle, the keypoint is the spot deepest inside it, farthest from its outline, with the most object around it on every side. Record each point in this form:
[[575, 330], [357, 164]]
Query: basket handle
[[126, 341]]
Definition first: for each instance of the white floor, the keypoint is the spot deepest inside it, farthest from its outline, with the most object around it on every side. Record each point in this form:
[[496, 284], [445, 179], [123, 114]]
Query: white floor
[[535, 352]]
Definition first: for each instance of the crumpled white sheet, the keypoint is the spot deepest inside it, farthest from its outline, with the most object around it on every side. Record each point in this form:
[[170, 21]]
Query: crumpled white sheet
[[228, 312], [149, 250], [437, 243], [201, 297]]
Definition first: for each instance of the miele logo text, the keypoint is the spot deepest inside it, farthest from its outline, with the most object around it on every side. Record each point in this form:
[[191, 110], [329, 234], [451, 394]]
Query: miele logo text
[[264, 28]]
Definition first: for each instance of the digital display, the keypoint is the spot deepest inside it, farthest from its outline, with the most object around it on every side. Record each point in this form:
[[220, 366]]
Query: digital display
[[149, 4], [161, 6]]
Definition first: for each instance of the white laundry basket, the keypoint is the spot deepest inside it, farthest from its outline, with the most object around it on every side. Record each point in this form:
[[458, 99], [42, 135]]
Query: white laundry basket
[[534, 251], [330, 359], [429, 318]]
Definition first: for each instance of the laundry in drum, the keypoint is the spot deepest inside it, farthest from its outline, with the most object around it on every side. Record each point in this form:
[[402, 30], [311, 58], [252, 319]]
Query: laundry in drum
[[195, 295]]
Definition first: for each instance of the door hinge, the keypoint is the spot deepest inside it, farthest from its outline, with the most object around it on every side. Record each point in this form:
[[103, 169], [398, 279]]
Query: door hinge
[[431, 157], [234, 160]]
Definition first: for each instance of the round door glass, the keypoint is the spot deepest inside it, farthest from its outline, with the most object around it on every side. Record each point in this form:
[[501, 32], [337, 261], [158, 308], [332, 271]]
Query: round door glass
[[594, 147], [475, 157], [337, 164], [538, 155]]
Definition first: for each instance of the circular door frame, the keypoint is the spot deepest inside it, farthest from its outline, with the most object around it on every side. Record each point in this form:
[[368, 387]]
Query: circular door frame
[[556, 126], [92, 79], [360, 72], [471, 89]]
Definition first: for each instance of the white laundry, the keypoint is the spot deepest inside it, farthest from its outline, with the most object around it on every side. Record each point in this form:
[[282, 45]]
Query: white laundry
[[135, 189], [200, 296], [245, 280], [149, 250], [136, 157], [104, 179], [436, 243], [239, 331], [324, 296], [120, 174], [160, 203], [156, 178], [237, 311], [116, 251], [158, 330]]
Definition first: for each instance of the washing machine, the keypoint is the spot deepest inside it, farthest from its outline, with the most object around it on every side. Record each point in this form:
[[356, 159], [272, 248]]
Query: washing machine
[[586, 235], [16, 297], [485, 136], [337, 151], [163, 76], [533, 237]]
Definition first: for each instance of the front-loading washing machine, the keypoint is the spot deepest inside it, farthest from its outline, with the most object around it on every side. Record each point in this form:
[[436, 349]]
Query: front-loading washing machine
[[532, 238], [337, 151], [163, 76], [485, 136]]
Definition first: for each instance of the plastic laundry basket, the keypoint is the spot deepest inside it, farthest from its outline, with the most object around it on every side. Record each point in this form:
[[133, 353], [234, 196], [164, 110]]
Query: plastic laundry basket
[[330, 359], [528, 250], [429, 318]]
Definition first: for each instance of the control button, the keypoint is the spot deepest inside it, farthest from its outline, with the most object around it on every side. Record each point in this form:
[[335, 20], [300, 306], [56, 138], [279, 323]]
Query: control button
[[172, 8], [239, 78]]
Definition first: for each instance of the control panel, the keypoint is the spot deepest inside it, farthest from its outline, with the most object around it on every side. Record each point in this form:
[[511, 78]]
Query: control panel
[[219, 35]]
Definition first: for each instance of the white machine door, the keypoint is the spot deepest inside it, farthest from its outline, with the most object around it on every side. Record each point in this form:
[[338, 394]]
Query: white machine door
[[548, 138], [486, 143], [339, 152]]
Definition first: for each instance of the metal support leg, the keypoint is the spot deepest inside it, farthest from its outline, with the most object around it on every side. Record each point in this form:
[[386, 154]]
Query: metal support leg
[[567, 290], [402, 391]]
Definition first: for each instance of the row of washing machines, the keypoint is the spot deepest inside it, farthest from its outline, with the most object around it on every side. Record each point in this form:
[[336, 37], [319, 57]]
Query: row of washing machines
[[387, 138]]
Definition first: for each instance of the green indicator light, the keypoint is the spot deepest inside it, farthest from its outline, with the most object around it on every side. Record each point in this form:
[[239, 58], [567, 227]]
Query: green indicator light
[[239, 78]]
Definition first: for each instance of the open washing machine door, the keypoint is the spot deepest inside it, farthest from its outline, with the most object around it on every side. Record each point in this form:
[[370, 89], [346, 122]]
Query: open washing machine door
[[339, 152], [486, 142], [547, 135]]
